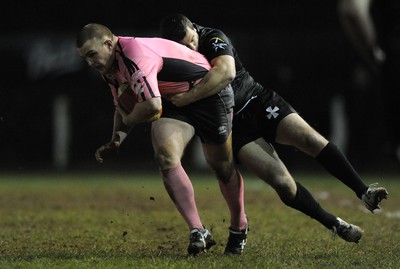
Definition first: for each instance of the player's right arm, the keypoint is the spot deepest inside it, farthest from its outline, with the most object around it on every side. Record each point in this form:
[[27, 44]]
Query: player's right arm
[[219, 52], [222, 73]]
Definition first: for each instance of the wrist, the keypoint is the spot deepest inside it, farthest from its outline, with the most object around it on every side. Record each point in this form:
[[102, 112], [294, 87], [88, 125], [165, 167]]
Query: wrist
[[120, 136]]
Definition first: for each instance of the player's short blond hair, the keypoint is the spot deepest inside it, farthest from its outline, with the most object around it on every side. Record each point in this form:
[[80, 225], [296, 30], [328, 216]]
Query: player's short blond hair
[[91, 31]]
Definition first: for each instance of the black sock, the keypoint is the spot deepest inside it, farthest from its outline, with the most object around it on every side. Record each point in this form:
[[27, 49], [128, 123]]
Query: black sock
[[306, 203], [334, 161]]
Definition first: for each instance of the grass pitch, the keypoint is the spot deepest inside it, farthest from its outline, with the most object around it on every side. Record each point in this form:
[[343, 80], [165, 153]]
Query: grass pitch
[[128, 221]]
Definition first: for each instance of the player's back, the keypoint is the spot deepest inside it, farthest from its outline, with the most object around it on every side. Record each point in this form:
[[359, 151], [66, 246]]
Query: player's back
[[180, 64], [170, 49], [175, 67]]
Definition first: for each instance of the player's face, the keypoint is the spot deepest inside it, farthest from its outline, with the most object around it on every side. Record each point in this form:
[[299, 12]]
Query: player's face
[[98, 54], [191, 40]]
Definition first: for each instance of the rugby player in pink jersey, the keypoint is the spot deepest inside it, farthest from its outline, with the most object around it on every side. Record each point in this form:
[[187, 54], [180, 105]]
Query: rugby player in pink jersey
[[155, 68]]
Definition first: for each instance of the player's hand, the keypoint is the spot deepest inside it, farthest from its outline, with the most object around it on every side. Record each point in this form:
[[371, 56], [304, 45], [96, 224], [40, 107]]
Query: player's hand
[[180, 99], [108, 148]]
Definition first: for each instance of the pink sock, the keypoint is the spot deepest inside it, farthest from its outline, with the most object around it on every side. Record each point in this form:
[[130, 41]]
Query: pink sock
[[180, 189], [233, 192]]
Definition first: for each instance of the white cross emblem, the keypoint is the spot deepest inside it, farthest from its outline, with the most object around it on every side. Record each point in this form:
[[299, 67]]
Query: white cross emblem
[[272, 112]]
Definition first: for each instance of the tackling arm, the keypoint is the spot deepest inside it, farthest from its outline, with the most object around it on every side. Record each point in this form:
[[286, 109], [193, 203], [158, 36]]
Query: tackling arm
[[222, 72]]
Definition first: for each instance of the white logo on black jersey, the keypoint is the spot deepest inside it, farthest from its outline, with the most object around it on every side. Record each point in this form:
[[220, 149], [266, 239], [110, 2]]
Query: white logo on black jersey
[[222, 129], [218, 43], [272, 112]]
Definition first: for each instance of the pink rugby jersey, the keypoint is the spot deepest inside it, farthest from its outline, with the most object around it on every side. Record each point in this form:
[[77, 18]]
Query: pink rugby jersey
[[155, 67]]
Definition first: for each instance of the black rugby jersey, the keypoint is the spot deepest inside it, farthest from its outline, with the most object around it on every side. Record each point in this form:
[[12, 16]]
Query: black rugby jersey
[[213, 43]]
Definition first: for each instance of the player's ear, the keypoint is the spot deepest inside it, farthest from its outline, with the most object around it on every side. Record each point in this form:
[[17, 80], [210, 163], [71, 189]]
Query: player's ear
[[108, 43]]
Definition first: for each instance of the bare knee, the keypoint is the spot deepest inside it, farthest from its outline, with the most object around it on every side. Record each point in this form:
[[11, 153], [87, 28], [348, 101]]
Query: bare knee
[[223, 171], [313, 143], [285, 186], [166, 158]]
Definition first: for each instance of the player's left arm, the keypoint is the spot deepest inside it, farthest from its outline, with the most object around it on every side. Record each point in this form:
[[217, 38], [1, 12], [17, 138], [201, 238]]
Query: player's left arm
[[144, 83], [146, 111], [120, 130]]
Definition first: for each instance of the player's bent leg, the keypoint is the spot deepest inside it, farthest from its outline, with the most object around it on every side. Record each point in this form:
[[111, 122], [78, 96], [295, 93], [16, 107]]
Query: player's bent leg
[[169, 139], [293, 130], [220, 159], [261, 158]]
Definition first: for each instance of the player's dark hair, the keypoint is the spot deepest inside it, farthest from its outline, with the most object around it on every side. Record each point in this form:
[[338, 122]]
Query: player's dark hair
[[90, 31], [173, 26]]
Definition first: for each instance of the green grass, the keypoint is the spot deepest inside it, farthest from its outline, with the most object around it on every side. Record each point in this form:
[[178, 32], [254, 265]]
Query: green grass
[[121, 221]]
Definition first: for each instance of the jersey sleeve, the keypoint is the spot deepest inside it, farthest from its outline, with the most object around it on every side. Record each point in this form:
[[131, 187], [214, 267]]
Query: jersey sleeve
[[215, 43]]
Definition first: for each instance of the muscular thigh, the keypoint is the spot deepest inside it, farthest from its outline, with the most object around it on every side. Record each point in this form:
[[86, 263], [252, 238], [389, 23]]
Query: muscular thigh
[[220, 158], [261, 158], [169, 139], [295, 131]]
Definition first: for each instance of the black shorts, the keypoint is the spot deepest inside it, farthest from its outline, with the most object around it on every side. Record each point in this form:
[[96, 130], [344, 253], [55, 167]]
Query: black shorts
[[211, 117], [260, 118]]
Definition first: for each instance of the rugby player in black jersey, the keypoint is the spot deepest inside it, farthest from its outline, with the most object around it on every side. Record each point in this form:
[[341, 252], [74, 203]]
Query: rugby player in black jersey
[[263, 117]]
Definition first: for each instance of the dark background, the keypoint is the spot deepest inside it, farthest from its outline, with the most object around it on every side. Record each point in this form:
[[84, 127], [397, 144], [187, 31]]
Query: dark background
[[296, 47]]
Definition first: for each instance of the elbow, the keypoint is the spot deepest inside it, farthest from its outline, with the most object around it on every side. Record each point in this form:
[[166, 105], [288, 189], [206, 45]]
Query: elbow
[[231, 76], [228, 75], [156, 116]]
